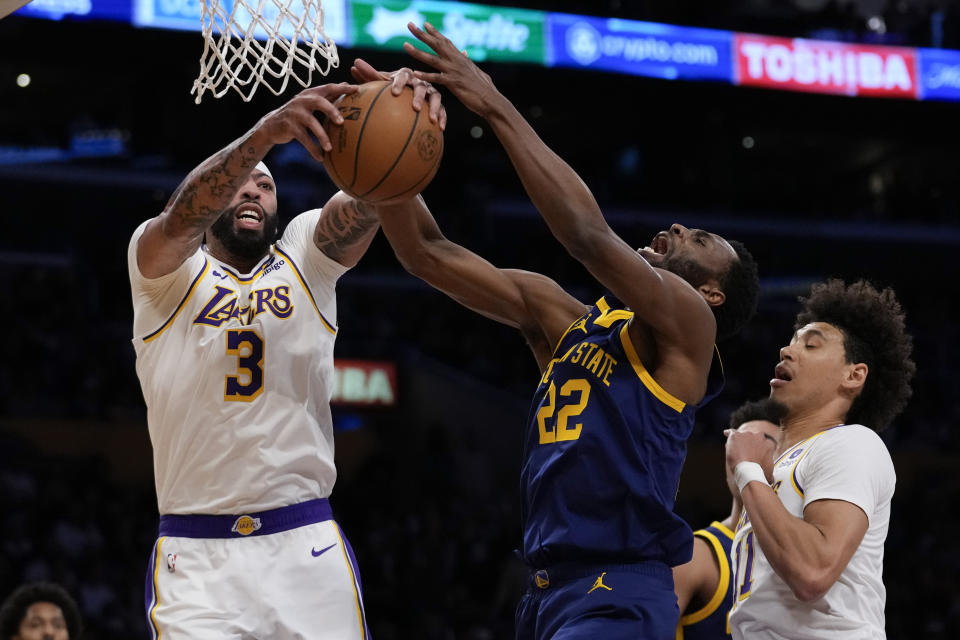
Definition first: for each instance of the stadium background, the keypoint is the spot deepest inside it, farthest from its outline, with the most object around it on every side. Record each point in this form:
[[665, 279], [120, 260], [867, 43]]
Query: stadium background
[[816, 185]]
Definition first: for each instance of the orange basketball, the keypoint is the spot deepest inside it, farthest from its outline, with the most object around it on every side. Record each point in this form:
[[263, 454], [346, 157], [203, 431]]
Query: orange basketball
[[384, 151]]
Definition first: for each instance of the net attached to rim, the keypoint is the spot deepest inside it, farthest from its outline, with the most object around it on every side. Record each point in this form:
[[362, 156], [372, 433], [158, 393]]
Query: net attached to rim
[[266, 42]]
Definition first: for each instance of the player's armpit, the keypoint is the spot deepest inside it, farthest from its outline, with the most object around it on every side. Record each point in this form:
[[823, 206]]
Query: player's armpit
[[550, 309], [345, 229]]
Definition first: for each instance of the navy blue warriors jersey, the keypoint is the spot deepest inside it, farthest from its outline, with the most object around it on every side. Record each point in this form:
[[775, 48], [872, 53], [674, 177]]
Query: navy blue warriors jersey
[[603, 452], [710, 621]]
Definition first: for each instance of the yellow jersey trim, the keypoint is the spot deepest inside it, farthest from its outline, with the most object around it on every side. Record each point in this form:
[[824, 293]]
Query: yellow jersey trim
[[793, 470], [661, 394], [296, 271], [156, 587], [183, 303], [353, 578], [253, 276], [723, 528], [722, 585]]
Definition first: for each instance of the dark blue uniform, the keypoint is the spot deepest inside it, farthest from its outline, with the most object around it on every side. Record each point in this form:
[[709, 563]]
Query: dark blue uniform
[[603, 453], [710, 621]]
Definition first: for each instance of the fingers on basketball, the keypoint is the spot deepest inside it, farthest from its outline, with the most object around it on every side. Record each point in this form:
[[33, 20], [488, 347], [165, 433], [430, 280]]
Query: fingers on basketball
[[384, 151]]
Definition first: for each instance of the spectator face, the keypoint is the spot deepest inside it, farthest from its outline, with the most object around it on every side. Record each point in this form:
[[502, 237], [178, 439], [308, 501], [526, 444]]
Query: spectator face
[[43, 621]]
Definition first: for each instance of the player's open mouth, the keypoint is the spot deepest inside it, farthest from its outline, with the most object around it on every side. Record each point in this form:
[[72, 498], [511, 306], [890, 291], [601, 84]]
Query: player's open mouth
[[781, 376], [249, 216], [658, 246]]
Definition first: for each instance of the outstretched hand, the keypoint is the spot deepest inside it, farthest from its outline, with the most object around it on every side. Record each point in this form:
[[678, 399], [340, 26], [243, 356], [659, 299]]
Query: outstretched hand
[[296, 119], [473, 87], [362, 71]]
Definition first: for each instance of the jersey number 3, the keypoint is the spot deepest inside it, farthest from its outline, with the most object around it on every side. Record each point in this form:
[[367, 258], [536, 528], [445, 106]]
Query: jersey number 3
[[560, 430], [247, 346]]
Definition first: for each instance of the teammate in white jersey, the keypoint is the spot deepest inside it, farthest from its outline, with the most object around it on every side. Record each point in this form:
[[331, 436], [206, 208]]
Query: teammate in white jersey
[[808, 552], [234, 338]]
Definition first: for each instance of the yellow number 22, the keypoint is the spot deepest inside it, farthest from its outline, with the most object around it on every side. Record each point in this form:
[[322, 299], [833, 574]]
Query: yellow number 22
[[561, 431]]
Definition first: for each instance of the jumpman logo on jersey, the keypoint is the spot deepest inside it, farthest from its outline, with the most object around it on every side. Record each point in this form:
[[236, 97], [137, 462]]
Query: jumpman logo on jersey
[[580, 324], [599, 584]]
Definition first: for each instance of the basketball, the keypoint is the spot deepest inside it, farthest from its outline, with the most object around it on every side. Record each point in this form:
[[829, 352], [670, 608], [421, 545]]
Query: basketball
[[384, 151]]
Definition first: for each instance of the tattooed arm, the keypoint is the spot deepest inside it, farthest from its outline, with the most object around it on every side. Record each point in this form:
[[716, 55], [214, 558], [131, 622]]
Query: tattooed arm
[[346, 229], [176, 234]]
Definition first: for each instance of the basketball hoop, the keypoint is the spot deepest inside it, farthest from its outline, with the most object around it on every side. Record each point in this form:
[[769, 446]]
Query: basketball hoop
[[264, 42]]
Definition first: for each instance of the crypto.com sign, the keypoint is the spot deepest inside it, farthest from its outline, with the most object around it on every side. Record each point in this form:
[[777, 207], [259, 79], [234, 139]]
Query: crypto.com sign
[[825, 67]]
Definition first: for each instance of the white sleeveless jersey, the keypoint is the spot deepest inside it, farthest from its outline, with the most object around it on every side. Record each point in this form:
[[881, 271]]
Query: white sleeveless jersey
[[849, 463], [237, 374]]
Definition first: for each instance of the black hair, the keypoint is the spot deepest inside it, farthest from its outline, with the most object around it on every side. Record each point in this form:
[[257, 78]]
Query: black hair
[[15, 608], [741, 286], [763, 409], [874, 333]]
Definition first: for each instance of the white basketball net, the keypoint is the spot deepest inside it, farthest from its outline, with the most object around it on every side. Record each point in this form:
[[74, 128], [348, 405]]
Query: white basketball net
[[262, 42]]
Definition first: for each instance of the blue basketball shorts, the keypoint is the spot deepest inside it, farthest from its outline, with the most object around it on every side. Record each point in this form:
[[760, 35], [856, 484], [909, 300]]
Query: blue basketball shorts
[[612, 602]]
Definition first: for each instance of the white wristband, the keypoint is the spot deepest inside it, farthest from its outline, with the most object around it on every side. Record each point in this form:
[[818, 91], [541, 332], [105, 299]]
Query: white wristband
[[746, 472]]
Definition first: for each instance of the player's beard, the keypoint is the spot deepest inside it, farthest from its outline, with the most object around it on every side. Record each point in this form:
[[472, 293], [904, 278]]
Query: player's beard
[[693, 272], [245, 243]]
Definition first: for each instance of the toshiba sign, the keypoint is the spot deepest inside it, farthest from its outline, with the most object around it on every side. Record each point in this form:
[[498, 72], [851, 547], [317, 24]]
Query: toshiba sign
[[364, 382], [825, 67]]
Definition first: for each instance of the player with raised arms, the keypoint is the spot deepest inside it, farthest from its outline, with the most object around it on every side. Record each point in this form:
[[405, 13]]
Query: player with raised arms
[[234, 337], [621, 379]]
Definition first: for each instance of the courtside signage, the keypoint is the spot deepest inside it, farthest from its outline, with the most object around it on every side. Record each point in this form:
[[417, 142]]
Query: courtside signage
[[825, 67], [364, 382], [486, 33], [639, 48], [939, 74]]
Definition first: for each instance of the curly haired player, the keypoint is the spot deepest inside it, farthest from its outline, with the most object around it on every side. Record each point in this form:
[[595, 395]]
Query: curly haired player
[[808, 552]]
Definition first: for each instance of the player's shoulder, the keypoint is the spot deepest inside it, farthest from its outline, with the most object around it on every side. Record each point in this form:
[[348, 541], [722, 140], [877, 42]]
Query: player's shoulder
[[857, 445], [302, 223], [854, 435]]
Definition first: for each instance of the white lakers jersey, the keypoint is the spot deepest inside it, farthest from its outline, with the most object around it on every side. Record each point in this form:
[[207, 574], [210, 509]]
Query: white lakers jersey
[[849, 463], [237, 373]]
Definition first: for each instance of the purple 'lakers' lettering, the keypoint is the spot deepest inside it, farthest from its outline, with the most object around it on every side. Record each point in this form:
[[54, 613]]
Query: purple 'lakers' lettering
[[277, 301], [216, 312], [220, 309]]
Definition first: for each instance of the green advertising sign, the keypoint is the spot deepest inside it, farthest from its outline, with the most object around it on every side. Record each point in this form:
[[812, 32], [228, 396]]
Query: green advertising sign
[[486, 33]]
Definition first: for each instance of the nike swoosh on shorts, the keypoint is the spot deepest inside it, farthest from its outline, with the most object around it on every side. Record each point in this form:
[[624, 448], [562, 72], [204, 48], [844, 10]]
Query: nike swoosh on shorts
[[316, 553]]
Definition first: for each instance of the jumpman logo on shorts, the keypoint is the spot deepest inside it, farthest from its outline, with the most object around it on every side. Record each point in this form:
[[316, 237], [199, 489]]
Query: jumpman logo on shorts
[[599, 584]]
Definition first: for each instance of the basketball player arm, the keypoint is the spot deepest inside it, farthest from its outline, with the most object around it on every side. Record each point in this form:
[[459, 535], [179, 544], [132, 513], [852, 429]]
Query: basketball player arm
[[697, 580], [808, 553], [530, 302], [675, 312], [345, 229], [174, 235]]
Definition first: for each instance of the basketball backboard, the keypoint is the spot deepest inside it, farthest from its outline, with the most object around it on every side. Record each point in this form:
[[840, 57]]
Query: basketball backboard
[[9, 6]]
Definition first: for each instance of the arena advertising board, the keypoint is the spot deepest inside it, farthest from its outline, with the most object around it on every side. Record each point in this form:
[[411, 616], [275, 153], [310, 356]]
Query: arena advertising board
[[116, 10], [364, 383], [486, 33], [639, 48], [825, 67], [939, 74], [185, 15], [586, 42]]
